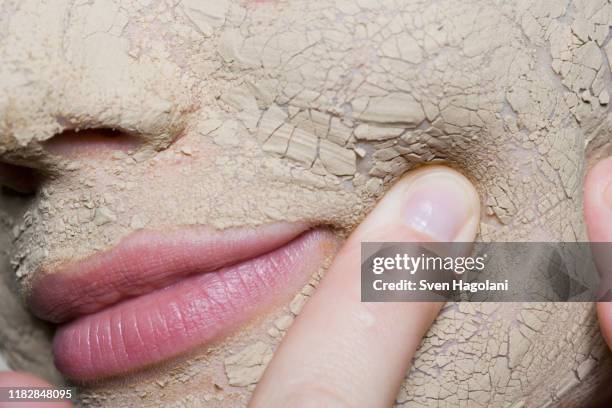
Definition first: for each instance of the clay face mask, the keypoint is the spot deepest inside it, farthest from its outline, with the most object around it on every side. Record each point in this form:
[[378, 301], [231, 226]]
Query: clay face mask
[[246, 114]]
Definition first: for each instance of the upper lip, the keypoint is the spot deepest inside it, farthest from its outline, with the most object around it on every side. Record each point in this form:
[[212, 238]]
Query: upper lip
[[145, 261]]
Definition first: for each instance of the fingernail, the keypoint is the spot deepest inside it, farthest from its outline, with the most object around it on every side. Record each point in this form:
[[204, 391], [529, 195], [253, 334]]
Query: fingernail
[[439, 204]]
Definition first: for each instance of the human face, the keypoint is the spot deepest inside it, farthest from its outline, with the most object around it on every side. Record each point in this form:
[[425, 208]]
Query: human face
[[233, 115]]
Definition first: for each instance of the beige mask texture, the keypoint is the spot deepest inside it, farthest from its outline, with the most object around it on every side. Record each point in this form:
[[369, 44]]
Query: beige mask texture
[[308, 110]]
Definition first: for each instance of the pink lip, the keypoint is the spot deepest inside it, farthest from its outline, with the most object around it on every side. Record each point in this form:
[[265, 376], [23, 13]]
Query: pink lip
[[157, 295]]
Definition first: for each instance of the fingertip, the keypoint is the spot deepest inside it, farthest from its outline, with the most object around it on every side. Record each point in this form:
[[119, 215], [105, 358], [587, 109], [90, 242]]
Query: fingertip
[[18, 378], [604, 315], [433, 203], [598, 201], [440, 203], [598, 219]]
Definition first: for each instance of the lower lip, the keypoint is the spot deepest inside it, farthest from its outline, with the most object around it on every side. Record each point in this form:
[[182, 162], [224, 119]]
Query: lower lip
[[149, 329]]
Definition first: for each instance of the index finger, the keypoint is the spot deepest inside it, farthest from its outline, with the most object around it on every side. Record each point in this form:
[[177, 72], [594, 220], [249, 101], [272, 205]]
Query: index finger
[[598, 217], [344, 352]]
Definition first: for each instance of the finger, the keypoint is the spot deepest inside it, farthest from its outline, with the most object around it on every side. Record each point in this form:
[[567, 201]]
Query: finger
[[342, 352], [15, 379], [598, 217]]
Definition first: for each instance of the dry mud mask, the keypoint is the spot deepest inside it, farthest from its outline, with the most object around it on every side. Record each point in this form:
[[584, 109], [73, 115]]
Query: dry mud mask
[[247, 113]]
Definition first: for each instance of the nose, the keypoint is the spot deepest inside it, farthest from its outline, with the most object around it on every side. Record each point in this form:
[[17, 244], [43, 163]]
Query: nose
[[91, 143], [19, 178]]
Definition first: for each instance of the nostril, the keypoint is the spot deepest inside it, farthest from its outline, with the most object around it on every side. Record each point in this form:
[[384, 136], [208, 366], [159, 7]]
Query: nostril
[[91, 142], [19, 178]]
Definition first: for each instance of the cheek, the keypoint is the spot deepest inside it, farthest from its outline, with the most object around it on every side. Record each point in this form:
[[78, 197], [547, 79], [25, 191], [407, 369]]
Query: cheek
[[26, 341], [190, 151]]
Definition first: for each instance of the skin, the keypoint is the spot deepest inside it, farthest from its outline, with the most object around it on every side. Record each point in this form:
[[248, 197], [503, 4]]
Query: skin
[[515, 97]]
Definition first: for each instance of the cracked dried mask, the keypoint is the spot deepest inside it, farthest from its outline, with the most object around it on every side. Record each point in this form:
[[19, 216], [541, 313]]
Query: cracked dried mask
[[233, 114]]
